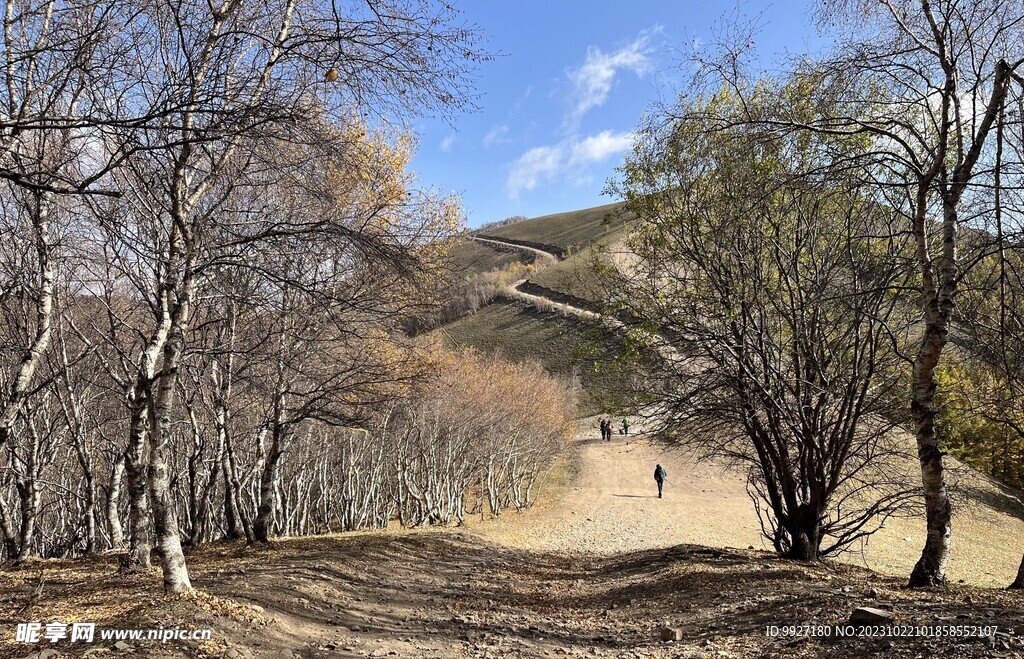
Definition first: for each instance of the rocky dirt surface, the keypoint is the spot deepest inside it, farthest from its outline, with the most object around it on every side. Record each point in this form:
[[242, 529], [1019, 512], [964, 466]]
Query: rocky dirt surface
[[450, 594], [601, 568]]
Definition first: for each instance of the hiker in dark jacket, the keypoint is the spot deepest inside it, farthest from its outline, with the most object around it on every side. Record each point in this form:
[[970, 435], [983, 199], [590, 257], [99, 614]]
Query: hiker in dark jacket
[[659, 476], [604, 430]]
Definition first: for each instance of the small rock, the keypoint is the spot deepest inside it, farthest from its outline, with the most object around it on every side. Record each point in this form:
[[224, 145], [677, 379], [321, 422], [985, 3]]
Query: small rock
[[867, 615], [670, 633], [968, 599], [873, 593], [48, 653], [123, 646]]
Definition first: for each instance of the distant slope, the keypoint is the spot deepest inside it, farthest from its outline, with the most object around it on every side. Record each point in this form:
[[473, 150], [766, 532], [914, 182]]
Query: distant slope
[[571, 231], [566, 346], [563, 345], [469, 257]]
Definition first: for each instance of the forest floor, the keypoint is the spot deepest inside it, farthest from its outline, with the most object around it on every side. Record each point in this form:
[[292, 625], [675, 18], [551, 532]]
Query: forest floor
[[595, 570]]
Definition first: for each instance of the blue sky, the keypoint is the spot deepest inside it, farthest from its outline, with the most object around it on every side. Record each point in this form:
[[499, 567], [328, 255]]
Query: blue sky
[[571, 82]]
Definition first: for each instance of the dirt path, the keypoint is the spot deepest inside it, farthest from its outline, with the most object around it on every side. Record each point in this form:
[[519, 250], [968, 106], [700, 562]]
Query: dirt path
[[542, 254], [596, 570], [613, 505], [610, 506]]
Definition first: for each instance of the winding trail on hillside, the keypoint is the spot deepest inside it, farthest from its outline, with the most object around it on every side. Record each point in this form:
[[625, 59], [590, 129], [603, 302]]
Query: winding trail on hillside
[[664, 348], [537, 252]]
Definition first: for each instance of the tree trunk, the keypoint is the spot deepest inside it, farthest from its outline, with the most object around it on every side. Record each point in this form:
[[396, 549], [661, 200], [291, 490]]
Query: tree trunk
[[113, 503], [804, 534], [30, 500], [1019, 581], [31, 497], [234, 492], [9, 539], [22, 381], [165, 518], [90, 513], [140, 542], [930, 570], [268, 485], [233, 530]]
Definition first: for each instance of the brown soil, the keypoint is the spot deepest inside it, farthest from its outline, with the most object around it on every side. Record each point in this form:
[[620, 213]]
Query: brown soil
[[595, 570]]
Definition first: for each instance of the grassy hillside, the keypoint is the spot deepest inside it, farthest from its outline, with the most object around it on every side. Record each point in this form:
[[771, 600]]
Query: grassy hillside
[[563, 345], [575, 275], [471, 257], [573, 230]]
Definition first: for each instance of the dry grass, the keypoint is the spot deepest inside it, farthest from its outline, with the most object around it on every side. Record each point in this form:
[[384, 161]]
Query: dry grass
[[567, 230]]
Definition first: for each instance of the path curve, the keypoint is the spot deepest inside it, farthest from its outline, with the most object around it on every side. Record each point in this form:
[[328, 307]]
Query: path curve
[[523, 248], [663, 347]]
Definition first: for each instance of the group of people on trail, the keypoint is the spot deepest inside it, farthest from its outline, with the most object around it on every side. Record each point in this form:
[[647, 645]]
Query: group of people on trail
[[660, 475], [606, 429]]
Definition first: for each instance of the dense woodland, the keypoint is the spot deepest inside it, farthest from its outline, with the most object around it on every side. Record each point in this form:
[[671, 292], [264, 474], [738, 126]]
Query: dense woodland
[[210, 243]]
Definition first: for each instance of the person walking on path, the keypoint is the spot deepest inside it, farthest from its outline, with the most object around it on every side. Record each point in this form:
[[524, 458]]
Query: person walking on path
[[659, 476], [604, 429], [625, 426]]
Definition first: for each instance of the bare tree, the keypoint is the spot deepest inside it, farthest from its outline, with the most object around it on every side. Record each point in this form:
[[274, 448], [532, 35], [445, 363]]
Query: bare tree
[[765, 298]]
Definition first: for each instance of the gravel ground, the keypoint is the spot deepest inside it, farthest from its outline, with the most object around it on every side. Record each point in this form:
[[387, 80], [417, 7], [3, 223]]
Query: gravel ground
[[606, 503]]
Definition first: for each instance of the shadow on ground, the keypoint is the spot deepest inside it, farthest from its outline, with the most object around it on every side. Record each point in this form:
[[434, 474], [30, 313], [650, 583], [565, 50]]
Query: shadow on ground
[[444, 594]]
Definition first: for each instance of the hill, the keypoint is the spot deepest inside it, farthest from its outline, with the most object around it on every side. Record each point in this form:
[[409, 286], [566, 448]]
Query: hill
[[565, 346], [570, 231]]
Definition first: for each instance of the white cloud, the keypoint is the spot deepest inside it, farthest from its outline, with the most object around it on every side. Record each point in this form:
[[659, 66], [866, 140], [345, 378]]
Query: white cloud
[[598, 148], [569, 159], [497, 135], [446, 144], [542, 162], [592, 81]]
